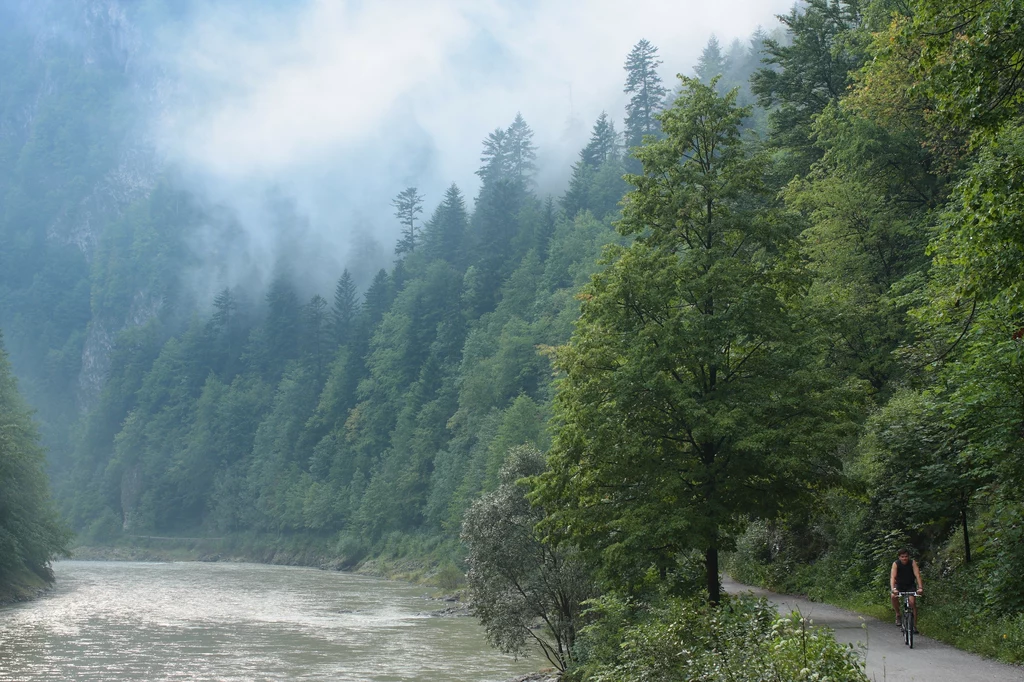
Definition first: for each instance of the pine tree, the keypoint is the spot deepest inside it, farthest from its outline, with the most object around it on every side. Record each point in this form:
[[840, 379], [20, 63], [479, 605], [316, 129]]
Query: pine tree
[[377, 298], [644, 83], [344, 310], [408, 204], [283, 323], [602, 148], [603, 144], [711, 62], [521, 153], [805, 76], [314, 341], [494, 157], [445, 233]]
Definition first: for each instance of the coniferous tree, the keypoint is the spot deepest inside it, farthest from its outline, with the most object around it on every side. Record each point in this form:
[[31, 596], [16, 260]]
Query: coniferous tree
[[521, 153], [648, 93], [494, 157], [444, 235], [377, 298], [344, 310], [315, 334], [711, 63], [602, 149], [803, 77], [283, 323], [603, 144], [408, 204]]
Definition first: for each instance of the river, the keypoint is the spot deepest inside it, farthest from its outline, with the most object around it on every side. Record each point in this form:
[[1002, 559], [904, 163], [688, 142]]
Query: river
[[108, 621]]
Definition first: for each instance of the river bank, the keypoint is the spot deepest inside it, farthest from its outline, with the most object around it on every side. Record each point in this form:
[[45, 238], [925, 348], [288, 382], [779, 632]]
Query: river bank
[[415, 568], [24, 586]]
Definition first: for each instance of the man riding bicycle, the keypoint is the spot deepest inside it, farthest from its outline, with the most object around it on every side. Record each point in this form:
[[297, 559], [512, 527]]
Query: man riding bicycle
[[905, 576]]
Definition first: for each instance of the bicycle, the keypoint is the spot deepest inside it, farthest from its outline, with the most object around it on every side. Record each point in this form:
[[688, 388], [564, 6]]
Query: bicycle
[[907, 623]]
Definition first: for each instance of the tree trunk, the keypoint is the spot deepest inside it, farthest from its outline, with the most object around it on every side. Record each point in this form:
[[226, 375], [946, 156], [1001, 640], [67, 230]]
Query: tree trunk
[[967, 540], [711, 564]]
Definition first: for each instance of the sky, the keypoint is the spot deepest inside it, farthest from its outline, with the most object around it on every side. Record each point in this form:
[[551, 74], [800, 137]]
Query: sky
[[340, 104]]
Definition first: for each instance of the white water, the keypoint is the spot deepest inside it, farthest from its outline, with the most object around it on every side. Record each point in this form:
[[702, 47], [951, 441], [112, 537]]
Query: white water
[[108, 621]]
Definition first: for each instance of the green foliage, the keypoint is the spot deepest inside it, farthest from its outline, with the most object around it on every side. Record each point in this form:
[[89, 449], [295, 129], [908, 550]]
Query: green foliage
[[647, 92], [982, 241], [676, 639], [807, 349], [984, 42], [517, 581], [808, 72], [408, 204], [688, 379], [31, 534]]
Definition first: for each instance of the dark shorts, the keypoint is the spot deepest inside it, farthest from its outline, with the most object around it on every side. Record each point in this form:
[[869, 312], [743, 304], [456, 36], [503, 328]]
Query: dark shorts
[[906, 588]]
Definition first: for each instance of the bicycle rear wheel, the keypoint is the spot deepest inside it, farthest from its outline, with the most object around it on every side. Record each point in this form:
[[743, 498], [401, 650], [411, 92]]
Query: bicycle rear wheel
[[910, 629]]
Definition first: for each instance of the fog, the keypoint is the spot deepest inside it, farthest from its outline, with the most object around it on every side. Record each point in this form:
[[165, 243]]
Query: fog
[[338, 105]]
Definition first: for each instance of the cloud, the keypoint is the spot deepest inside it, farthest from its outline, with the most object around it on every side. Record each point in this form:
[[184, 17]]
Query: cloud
[[342, 103]]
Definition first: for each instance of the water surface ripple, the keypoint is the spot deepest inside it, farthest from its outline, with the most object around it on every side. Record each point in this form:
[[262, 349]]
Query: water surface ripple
[[224, 622]]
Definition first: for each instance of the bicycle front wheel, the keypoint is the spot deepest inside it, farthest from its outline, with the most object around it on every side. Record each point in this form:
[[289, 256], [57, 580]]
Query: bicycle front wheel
[[911, 624]]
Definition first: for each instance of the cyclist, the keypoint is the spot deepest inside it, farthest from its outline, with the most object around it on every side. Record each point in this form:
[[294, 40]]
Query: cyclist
[[903, 577]]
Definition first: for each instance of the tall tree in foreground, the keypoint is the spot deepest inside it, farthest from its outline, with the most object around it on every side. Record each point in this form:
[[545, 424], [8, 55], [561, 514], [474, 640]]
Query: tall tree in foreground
[[644, 84], [31, 535], [690, 384]]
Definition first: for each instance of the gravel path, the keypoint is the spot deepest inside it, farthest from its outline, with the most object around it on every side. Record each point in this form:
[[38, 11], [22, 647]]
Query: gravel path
[[888, 659]]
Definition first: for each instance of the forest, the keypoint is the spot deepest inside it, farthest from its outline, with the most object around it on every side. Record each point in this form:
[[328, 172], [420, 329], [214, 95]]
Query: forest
[[774, 326]]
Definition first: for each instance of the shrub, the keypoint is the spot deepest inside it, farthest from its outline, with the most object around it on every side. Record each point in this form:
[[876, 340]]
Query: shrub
[[742, 640]]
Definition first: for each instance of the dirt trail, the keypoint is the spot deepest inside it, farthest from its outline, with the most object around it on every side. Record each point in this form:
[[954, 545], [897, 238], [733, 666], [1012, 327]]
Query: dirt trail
[[888, 659]]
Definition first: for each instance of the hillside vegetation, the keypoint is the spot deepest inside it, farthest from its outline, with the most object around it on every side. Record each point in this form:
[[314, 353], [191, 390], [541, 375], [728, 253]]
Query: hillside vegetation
[[775, 323]]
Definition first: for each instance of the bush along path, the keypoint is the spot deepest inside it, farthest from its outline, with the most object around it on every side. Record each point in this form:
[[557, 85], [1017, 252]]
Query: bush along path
[[887, 658]]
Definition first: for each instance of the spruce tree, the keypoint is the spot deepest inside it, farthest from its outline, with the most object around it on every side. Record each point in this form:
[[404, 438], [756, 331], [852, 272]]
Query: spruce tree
[[315, 334], [445, 232], [803, 77], [644, 84], [494, 157], [602, 147], [711, 62], [521, 153], [408, 204], [344, 310], [377, 298]]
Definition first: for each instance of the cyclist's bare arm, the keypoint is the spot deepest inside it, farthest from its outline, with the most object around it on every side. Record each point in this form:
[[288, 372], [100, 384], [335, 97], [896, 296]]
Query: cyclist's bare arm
[[917, 576]]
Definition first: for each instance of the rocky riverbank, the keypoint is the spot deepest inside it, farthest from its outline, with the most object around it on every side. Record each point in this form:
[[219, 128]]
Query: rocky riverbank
[[542, 676]]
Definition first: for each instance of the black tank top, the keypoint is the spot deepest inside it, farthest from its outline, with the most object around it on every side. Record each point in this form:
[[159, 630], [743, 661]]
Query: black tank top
[[905, 581]]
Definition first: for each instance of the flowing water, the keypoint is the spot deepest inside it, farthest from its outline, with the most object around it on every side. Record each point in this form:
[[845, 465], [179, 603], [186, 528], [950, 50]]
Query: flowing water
[[245, 622]]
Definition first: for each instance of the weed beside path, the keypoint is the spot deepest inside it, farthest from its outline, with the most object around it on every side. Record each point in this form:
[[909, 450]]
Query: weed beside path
[[887, 658]]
